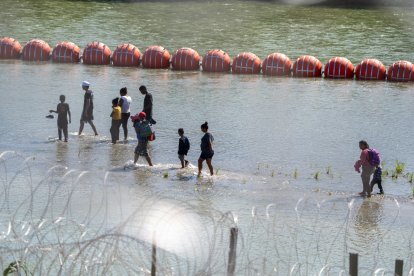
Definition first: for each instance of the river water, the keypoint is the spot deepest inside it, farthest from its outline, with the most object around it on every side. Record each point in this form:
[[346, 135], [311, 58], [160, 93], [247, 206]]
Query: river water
[[284, 148]]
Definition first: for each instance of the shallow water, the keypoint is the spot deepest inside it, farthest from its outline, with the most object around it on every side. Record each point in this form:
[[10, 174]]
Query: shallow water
[[265, 129]]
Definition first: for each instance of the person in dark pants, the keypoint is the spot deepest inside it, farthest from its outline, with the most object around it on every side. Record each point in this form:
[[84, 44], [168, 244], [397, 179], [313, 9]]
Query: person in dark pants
[[377, 179], [207, 151], [141, 149], [87, 112], [116, 120], [147, 109], [125, 103], [183, 148], [63, 112]]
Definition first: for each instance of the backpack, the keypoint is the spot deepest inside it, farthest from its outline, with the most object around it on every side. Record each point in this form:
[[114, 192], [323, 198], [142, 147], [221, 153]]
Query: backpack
[[144, 129], [374, 157]]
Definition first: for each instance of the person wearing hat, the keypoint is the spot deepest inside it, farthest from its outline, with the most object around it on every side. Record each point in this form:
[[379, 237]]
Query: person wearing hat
[[143, 130], [87, 112], [147, 104]]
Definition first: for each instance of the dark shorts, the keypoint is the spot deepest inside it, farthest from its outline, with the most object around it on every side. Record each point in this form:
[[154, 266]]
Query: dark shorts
[[86, 119], [62, 124], [206, 155], [141, 148], [125, 117], [182, 156]]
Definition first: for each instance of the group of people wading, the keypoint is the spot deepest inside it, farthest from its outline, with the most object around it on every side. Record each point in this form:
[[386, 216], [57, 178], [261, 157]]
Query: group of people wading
[[142, 122], [369, 159]]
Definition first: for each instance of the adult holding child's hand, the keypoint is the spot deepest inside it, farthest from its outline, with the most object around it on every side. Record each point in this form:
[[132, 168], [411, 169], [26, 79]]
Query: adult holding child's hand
[[367, 168]]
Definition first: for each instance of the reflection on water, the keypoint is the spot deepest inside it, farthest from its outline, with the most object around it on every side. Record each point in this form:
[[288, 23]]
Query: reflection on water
[[61, 152], [367, 223], [84, 218]]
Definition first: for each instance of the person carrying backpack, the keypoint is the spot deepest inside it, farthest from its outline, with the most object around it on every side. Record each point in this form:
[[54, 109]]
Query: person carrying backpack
[[143, 130], [368, 166]]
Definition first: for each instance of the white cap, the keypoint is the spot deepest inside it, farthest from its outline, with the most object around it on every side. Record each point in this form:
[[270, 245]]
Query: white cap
[[85, 84]]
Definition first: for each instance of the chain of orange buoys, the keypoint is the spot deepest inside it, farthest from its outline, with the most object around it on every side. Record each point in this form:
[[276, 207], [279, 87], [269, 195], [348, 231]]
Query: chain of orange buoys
[[275, 64]]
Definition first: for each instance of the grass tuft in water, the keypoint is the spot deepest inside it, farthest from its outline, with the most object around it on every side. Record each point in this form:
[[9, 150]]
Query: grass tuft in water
[[410, 177], [295, 174], [16, 268], [316, 175], [328, 170], [165, 175], [394, 174], [399, 167], [217, 171]]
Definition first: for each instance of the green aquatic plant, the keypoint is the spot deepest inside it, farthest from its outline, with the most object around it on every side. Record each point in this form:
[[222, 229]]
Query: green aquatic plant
[[413, 191], [165, 175], [410, 177], [316, 175], [385, 173], [295, 174], [328, 170], [217, 171], [273, 173], [16, 268], [394, 174], [399, 167]]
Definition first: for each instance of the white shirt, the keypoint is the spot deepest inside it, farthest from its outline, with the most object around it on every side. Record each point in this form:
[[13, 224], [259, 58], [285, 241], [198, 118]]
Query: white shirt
[[125, 104]]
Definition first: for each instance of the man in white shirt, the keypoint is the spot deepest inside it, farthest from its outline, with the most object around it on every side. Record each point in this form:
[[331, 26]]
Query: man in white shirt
[[125, 103]]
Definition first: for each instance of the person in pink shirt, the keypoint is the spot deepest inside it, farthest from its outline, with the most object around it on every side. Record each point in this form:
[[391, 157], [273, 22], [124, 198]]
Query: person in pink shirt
[[367, 168]]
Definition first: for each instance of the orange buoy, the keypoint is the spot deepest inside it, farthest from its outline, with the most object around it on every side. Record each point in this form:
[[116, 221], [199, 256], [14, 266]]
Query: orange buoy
[[246, 63], [185, 59], [156, 57], [216, 61], [66, 52], [401, 71], [339, 68], [307, 67], [96, 53], [126, 55], [36, 50], [9, 48], [276, 64], [370, 69]]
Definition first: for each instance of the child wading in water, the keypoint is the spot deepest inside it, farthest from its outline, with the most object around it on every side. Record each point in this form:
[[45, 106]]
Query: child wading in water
[[377, 180], [116, 120], [207, 151], [63, 112], [183, 147]]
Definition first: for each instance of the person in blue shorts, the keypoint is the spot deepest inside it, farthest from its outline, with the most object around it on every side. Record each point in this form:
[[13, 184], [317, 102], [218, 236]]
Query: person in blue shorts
[[207, 151]]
